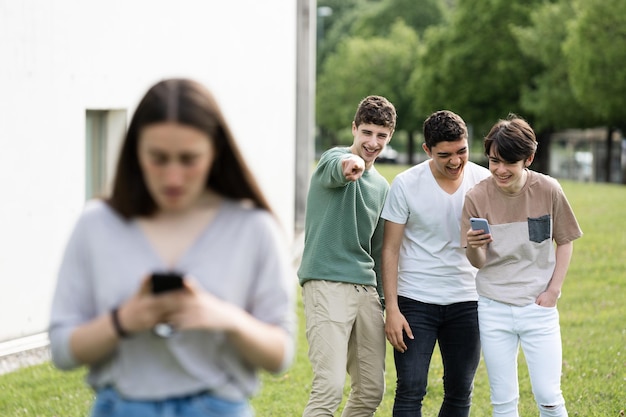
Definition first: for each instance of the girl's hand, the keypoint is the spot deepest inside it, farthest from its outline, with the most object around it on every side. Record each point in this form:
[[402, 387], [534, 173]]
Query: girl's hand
[[259, 344], [199, 309], [144, 309]]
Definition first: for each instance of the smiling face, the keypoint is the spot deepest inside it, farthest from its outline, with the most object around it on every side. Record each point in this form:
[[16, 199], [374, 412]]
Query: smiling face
[[369, 141], [509, 176], [175, 160], [448, 159]]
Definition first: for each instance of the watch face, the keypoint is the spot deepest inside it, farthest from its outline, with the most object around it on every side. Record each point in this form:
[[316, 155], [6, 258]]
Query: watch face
[[164, 330]]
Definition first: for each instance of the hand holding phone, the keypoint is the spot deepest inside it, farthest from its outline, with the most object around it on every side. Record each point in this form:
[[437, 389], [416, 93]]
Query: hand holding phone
[[478, 223], [166, 281]]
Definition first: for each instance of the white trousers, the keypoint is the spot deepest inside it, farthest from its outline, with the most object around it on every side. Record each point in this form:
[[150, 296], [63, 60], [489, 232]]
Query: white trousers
[[502, 329]]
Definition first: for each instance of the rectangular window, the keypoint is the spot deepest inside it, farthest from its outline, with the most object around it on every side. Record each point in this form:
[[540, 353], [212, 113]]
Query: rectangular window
[[104, 131]]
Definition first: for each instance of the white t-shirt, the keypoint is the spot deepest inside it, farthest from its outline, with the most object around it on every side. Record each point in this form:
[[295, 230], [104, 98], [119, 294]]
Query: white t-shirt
[[432, 266]]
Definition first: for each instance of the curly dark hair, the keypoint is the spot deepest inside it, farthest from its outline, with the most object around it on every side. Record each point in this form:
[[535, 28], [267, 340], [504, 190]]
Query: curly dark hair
[[444, 126], [376, 110]]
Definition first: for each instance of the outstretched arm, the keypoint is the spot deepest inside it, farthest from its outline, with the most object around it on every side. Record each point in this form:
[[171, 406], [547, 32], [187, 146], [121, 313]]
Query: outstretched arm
[[353, 167]]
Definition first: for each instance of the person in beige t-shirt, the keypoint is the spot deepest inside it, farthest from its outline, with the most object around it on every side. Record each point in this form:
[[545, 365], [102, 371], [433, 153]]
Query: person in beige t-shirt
[[523, 260]]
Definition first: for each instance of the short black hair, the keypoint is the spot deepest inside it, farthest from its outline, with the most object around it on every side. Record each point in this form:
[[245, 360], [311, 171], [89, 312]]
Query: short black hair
[[444, 126]]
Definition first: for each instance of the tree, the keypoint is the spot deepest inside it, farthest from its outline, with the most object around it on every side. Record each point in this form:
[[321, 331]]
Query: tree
[[549, 97], [597, 58], [366, 66], [417, 14], [375, 20], [472, 65], [337, 24]]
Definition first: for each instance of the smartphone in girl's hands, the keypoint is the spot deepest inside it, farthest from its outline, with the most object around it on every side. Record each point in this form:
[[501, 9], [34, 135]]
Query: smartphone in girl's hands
[[166, 281]]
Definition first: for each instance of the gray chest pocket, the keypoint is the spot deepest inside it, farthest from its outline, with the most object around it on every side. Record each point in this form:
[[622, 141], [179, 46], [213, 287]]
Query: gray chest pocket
[[539, 228]]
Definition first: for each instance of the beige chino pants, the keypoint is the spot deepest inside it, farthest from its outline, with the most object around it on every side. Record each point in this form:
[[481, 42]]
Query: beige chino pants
[[346, 332]]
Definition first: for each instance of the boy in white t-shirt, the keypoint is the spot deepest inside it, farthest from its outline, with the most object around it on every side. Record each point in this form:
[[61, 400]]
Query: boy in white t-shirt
[[428, 282]]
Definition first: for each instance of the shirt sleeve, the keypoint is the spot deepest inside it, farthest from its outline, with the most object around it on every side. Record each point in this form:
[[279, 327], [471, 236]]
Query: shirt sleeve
[[329, 171], [396, 208], [274, 293], [377, 249], [469, 210], [73, 302], [565, 227]]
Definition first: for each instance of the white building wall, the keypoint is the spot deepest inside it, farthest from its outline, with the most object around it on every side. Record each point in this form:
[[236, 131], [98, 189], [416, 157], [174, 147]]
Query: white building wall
[[60, 58]]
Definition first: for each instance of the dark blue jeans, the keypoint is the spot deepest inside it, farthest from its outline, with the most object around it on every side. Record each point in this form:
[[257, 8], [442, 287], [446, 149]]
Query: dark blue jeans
[[455, 327]]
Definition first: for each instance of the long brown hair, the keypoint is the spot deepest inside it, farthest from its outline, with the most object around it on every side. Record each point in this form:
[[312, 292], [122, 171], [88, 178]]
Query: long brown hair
[[189, 103]]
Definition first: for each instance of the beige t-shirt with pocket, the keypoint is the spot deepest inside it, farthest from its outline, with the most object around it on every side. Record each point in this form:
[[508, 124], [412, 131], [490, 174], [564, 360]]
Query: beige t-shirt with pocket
[[524, 228]]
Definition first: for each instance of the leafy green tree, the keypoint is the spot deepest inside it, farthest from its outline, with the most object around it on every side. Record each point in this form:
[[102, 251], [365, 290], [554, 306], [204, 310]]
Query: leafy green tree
[[362, 67], [369, 18], [549, 97], [473, 64], [596, 56], [375, 19], [335, 19], [417, 14]]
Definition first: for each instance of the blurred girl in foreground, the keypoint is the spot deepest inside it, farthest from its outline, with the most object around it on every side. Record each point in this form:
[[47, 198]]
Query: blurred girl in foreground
[[183, 201]]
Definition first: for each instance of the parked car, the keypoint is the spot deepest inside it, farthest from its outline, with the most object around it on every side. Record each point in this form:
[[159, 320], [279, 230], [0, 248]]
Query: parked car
[[388, 155]]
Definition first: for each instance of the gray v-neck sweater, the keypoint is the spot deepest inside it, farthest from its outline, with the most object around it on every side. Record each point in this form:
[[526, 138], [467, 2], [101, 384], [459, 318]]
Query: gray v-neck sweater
[[240, 257]]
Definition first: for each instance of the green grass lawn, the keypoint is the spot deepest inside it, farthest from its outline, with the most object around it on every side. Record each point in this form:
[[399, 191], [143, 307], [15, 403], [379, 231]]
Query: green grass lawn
[[593, 322]]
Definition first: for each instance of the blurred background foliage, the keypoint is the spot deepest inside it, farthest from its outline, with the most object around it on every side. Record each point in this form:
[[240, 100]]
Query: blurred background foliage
[[560, 64]]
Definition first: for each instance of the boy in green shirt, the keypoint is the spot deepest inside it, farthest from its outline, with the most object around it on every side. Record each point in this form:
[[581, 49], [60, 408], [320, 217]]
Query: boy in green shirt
[[340, 268]]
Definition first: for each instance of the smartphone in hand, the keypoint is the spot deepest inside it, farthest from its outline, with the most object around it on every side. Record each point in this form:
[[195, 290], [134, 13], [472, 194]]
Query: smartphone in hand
[[478, 223], [166, 281]]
